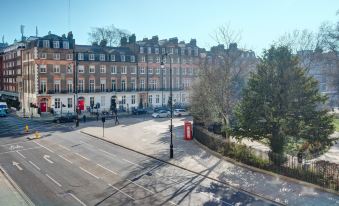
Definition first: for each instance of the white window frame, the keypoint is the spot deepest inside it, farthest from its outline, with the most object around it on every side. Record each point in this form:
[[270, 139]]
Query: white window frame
[[123, 58], [45, 43], [91, 68], [133, 70], [43, 55], [150, 70], [81, 69], [158, 70], [56, 56], [91, 57], [43, 86], [43, 68], [132, 58], [124, 70], [80, 56], [142, 70], [56, 44], [112, 57], [69, 56], [65, 45], [102, 69], [102, 57], [56, 68], [113, 69]]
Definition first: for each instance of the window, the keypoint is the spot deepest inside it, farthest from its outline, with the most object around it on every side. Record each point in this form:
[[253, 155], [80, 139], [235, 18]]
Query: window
[[42, 68], [178, 71], [69, 56], [142, 84], [196, 51], [102, 57], [143, 59], [157, 98], [191, 60], [133, 84], [45, 43], [171, 50], [163, 50], [123, 100], [81, 85], [81, 69], [132, 58], [102, 85], [69, 102], [123, 85], [112, 57], [158, 70], [91, 56], [122, 58], [150, 99], [153, 84], [103, 101], [158, 59], [91, 69], [178, 83], [113, 69], [142, 70], [141, 50], [182, 51], [150, 71], [124, 70], [65, 45], [70, 69], [114, 87], [91, 85], [133, 70], [43, 86], [189, 51], [57, 103], [56, 45], [80, 56], [133, 99], [43, 55], [157, 50], [56, 86], [70, 86], [149, 50], [56, 56], [102, 69], [91, 101], [56, 68], [164, 71], [150, 59]]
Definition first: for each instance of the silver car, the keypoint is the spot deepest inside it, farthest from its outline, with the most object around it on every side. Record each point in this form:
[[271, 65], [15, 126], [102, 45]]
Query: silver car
[[161, 113]]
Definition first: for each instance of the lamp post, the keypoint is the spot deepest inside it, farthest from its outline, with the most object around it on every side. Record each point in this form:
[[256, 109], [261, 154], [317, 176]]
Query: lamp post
[[171, 102]]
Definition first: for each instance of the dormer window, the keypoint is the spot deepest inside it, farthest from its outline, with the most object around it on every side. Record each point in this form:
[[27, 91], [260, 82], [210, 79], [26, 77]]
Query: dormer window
[[132, 58], [45, 43], [163, 50], [189, 51], [141, 50], [112, 57], [149, 50], [80, 56], [123, 58], [171, 50], [102, 57], [56, 45], [182, 51], [156, 50], [196, 51], [91, 57], [65, 45]]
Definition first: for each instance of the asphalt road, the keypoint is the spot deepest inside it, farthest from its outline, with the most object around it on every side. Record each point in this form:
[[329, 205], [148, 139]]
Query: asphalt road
[[69, 168]]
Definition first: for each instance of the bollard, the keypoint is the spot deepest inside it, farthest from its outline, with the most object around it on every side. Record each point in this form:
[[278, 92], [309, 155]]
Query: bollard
[[37, 135], [26, 129]]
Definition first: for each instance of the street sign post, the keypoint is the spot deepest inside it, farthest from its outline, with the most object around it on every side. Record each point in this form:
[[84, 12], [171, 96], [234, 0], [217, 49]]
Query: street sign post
[[103, 126]]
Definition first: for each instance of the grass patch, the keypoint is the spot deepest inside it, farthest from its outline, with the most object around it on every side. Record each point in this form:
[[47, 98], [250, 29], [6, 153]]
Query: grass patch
[[336, 124]]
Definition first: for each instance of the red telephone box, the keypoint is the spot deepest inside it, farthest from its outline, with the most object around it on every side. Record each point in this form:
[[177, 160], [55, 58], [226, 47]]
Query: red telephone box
[[188, 130], [43, 107], [81, 103]]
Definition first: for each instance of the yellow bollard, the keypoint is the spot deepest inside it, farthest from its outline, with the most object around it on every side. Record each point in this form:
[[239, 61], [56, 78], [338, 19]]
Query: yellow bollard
[[26, 129], [37, 135]]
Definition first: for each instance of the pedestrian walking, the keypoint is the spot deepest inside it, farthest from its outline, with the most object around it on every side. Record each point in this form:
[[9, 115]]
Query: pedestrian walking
[[97, 116], [84, 117], [116, 118]]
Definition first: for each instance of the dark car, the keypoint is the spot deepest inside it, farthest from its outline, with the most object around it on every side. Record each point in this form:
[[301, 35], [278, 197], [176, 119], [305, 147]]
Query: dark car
[[63, 119], [139, 111]]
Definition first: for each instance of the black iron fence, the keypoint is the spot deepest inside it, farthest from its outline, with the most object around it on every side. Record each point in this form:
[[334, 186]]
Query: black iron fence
[[322, 173]]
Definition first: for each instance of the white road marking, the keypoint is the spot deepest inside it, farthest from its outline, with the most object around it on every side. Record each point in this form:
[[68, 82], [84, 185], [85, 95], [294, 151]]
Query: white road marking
[[173, 203], [34, 165], [141, 186], [121, 191], [15, 147], [89, 173], [107, 152], [107, 169], [43, 146], [64, 158], [20, 150], [17, 165], [53, 180], [20, 154], [77, 199], [132, 163], [82, 156], [46, 157], [64, 147]]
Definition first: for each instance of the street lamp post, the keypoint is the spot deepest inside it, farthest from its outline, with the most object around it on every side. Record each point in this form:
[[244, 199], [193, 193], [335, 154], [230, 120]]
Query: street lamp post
[[171, 102]]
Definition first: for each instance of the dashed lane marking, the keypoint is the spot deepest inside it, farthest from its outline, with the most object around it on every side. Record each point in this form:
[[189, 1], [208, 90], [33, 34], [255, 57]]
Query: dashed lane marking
[[43, 146], [107, 169], [64, 158], [53, 180], [20, 150], [82, 156], [34, 165], [77, 199], [132, 163], [64, 147], [88, 172], [121, 191], [140, 186], [19, 153], [108, 153]]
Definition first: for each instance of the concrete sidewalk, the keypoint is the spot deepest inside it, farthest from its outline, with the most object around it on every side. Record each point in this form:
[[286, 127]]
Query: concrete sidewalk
[[10, 194], [151, 137]]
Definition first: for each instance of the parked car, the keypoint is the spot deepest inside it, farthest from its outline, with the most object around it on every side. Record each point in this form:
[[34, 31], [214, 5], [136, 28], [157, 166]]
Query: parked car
[[139, 111], [3, 113], [3, 106], [161, 113], [180, 112], [66, 118], [157, 109]]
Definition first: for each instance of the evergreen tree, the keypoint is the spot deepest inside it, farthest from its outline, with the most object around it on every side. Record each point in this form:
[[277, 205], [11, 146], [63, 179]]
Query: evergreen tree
[[281, 101]]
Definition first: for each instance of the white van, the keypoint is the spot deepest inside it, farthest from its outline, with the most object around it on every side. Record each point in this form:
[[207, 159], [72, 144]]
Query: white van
[[3, 105]]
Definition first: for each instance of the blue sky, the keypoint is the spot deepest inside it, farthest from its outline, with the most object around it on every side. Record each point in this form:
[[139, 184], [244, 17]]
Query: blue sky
[[260, 21]]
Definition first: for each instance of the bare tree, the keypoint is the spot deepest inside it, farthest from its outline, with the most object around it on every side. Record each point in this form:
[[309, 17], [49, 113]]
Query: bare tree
[[109, 34], [222, 75]]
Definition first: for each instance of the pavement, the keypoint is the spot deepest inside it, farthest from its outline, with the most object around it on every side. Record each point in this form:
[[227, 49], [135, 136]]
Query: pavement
[[67, 167], [151, 137]]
